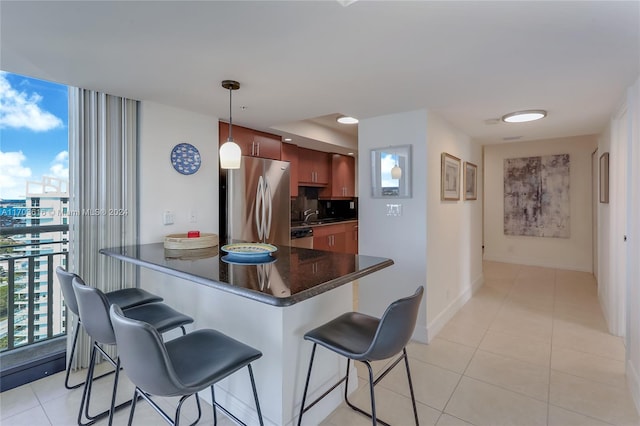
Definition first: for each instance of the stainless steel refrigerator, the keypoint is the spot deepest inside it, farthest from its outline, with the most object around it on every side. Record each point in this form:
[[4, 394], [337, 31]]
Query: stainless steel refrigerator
[[258, 202]]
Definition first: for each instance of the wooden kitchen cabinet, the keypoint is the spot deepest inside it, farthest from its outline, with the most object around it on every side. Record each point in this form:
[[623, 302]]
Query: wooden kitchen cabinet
[[343, 178], [341, 237], [351, 238], [314, 167], [252, 143], [289, 152]]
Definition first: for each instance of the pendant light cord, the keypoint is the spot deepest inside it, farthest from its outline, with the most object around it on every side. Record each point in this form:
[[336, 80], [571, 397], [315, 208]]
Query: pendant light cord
[[230, 117]]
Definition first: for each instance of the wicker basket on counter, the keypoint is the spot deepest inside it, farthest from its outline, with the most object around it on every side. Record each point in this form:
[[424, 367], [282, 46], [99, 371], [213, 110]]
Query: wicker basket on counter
[[183, 242]]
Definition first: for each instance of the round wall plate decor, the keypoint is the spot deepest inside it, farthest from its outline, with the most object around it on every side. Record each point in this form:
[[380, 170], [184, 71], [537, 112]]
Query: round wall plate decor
[[185, 158]]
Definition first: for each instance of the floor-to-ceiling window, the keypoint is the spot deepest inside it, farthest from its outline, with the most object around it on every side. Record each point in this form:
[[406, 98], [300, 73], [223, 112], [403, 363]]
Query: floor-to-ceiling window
[[34, 199]]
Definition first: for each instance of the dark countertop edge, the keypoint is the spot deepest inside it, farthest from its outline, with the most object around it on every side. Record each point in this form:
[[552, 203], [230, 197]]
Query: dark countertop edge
[[250, 294], [337, 222], [335, 283]]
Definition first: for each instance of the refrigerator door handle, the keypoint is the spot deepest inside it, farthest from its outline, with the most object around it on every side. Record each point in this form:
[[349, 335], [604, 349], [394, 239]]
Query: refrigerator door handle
[[267, 225], [260, 207]]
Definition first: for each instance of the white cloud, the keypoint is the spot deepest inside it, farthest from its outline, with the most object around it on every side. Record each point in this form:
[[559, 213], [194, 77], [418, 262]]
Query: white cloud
[[60, 166], [13, 175], [20, 110]]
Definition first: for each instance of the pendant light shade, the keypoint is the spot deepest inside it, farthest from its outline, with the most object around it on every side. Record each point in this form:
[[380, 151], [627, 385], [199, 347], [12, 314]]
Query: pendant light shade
[[396, 172], [230, 152]]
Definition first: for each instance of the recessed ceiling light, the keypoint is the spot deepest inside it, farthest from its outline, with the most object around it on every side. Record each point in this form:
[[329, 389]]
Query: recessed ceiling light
[[287, 139], [347, 120], [524, 116]]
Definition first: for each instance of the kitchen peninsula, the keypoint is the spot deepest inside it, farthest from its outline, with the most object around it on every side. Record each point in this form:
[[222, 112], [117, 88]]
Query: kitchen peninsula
[[268, 306]]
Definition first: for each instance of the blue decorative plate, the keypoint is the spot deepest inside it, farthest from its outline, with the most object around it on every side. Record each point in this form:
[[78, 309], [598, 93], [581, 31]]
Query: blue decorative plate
[[248, 252], [185, 158], [239, 260]]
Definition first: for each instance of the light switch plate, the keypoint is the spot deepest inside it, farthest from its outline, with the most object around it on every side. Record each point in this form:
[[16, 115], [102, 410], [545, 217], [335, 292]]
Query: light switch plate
[[394, 209], [168, 217]]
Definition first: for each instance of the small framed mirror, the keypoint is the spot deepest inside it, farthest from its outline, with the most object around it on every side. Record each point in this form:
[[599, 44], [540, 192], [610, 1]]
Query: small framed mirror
[[391, 172]]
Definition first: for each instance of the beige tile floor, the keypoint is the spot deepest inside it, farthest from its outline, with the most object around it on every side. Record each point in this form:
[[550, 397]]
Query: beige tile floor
[[530, 348]]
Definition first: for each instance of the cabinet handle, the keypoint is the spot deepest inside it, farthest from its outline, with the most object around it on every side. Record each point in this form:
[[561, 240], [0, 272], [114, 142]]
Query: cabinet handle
[[252, 148], [258, 149]]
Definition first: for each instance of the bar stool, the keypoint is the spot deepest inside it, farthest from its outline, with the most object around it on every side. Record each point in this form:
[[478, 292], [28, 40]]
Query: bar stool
[[365, 338], [180, 367], [125, 298], [93, 306]]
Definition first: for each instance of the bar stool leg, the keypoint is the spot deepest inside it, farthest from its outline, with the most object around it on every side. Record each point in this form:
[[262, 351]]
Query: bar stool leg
[[413, 398], [306, 385], [255, 394], [73, 351], [213, 403], [133, 405], [373, 395]]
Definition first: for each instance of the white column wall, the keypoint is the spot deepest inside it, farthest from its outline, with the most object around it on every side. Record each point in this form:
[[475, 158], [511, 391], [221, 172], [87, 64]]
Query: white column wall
[[633, 249], [434, 243], [454, 246], [572, 253], [401, 238], [163, 188]]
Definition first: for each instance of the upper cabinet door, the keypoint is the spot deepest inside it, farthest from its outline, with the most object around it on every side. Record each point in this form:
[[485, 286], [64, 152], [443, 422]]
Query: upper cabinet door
[[252, 142], [290, 154], [313, 167], [343, 176]]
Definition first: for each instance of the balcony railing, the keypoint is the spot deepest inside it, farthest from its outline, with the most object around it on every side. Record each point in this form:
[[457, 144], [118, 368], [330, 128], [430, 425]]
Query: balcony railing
[[31, 305]]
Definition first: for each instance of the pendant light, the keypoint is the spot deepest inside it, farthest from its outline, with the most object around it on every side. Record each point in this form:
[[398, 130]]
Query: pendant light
[[396, 171], [230, 152]]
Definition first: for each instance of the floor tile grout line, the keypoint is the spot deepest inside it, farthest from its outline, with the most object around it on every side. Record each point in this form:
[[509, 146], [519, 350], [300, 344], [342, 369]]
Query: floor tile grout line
[[581, 414], [462, 375]]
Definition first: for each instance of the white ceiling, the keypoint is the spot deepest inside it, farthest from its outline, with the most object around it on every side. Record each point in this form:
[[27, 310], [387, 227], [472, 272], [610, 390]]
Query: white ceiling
[[468, 61]]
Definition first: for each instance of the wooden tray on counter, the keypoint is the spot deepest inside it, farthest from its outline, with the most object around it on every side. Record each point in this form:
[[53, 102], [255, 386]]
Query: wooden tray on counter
[[182, 242]]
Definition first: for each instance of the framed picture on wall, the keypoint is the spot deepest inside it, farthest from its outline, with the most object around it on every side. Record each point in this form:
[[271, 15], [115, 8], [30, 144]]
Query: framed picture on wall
[[470, 181], [450, 178], [604, 178]]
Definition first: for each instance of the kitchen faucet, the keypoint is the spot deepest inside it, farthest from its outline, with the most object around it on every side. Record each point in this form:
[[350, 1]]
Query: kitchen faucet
[[308, 213]]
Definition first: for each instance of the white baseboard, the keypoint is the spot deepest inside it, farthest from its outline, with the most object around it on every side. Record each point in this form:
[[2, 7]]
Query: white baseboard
[[633, 378], [543, 263], [435, 326]]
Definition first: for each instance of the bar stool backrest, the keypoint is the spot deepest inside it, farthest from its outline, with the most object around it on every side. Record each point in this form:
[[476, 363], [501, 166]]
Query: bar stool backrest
[[65, 279], [396, 327], [94, 312], [144, 356]]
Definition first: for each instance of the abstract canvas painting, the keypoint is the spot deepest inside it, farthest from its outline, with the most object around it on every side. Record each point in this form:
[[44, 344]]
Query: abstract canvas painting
[[536, 196]]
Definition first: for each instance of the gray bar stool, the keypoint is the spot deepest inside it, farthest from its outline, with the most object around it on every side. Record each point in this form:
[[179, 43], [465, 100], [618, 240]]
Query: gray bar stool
[[125, 298], [93, 306], [365, 338], [180, 367]]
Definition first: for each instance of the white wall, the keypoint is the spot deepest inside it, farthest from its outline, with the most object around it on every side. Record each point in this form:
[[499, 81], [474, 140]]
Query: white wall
[[433, 243], [401, 238], [454, 228], [604, 236], [633, 246], [572, 253], [161, 187]]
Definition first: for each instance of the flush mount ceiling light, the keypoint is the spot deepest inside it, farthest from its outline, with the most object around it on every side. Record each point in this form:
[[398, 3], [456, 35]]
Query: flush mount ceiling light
[[347, 120], [524, 116], [230, 153]]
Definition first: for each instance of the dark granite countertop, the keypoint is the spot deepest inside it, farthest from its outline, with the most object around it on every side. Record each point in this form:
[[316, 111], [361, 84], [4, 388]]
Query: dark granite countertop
[[294, 274]]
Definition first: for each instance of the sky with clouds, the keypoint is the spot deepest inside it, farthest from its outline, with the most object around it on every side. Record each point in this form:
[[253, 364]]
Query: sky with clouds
[[33, 132]]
